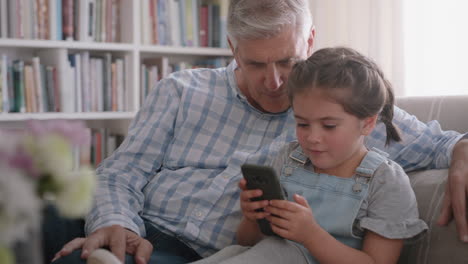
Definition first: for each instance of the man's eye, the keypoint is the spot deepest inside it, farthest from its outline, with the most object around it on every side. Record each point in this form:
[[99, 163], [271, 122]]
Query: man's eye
[[286, 63], [329, 127], [256, 64]]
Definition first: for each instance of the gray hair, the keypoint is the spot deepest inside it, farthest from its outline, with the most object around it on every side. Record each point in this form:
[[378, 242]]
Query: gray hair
[[262, 19]]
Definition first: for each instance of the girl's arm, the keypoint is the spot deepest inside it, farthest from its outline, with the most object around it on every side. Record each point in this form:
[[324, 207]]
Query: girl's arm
[[295, 221], [376, 249]]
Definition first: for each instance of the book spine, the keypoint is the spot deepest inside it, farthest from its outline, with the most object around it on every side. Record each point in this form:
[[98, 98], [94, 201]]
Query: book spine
[[59, 20], [67, 19], [6, 94], [50, 89], [29, 89], [18, 82], [38, 85]]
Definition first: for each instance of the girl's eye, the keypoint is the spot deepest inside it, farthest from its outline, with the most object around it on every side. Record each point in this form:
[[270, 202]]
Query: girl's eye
[[329, 127], [302, 125]]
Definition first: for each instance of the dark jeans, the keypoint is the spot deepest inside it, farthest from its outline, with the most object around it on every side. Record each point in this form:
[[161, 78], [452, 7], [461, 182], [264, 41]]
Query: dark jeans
[[166, 249]]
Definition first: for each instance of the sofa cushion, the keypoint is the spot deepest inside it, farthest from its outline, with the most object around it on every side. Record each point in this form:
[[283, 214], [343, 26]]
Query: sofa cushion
[[440, 244]]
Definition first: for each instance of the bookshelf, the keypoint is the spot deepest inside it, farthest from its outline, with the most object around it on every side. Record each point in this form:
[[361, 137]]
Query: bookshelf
[[132, 48]]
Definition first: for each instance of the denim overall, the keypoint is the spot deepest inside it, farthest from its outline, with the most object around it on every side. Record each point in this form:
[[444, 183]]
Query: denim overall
[[335, 201]]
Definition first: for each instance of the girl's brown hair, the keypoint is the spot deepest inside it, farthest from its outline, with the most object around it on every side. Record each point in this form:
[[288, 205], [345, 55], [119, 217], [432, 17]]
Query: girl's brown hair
[[349, 78]]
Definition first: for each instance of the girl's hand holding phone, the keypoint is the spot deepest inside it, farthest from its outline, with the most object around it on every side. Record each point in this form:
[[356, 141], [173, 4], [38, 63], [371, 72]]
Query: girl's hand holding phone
[[292, 220]]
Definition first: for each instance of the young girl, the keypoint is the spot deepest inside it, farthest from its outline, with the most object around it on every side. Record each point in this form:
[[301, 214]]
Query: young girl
[[346, 204]]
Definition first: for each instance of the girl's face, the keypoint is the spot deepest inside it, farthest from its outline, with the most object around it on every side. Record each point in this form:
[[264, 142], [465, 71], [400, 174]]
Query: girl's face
[[330, 137]]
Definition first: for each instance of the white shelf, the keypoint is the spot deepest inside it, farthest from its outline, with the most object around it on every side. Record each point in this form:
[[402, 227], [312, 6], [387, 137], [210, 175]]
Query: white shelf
[[186, 50], [67, 116], [51, 44]]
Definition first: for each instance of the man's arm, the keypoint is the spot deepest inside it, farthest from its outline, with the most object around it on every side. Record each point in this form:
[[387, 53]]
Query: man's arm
[[427, 146], [121, 177], [454, 204], [423, 146]]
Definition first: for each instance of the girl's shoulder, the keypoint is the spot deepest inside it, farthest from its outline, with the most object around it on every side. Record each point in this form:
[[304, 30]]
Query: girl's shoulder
[[390, 172]]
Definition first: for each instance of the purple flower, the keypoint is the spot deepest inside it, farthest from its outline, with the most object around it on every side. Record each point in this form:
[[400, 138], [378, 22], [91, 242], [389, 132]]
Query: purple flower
[[74, 131], [21, 160]]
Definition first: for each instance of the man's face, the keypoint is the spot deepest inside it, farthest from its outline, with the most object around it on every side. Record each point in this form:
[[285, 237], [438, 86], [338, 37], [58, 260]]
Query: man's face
[[264, 67]]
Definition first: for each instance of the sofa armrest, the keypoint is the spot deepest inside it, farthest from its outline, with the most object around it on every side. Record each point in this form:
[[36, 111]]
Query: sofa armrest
[[440, 244]]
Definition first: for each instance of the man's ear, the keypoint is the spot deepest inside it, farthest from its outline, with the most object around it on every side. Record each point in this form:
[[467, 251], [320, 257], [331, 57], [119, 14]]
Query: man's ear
[[369, 124], [231, 46], [234, 53], [310, 41]]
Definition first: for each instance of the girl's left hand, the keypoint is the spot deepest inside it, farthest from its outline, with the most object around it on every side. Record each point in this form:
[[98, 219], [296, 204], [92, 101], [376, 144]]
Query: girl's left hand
[[293, 221]]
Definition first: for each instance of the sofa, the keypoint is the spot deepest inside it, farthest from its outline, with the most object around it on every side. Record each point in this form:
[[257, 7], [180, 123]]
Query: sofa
[[440, 244]]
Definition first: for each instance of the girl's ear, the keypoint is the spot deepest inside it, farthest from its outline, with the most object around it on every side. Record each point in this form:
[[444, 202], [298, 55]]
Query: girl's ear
[[368, 125]]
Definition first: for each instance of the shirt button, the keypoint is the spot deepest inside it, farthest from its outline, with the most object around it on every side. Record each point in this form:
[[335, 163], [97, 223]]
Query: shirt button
[[198, 214], [225, 176], [357, 188]]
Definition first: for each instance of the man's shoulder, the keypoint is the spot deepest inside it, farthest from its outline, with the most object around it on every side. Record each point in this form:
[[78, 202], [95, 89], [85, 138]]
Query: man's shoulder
[[201, 79]]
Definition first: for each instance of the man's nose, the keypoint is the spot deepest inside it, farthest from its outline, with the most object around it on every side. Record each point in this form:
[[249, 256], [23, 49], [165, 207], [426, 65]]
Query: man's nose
[[273, 78]]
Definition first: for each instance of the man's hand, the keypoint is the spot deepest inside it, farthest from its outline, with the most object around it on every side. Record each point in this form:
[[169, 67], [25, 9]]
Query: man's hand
[[118, 239], [456, 191]]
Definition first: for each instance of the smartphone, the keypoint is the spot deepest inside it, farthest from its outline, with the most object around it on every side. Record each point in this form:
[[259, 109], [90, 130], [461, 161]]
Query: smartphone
[[263, 178]]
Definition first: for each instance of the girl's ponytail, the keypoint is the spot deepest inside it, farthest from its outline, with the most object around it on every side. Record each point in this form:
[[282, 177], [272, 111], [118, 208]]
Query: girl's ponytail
[[386, 116]]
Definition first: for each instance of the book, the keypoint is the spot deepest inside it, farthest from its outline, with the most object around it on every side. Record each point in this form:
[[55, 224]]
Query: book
[[189, 27], [29, 89], [85, 82], [153, 20], [38, 88], [50, 88], [174, 23], [162, 18], [52, 15], [203, 26], [98, 20], [4, 82], [223, 14], [57, 92], [115, 21], [100, 84], [3, 19], [18, 82], [68, 19], [114, 99], [92, 20], [1, 92], [59, 30], [216, 38], [107, 82], [143, 84], [13, 12], [120, 83], [11, 88], [83, 20], [146, 32]]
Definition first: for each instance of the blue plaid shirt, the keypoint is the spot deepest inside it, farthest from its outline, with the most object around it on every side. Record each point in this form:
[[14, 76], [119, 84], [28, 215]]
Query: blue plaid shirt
[[180, 164]]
